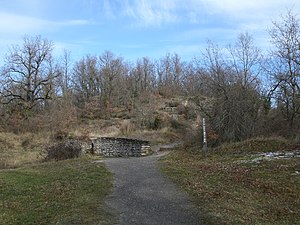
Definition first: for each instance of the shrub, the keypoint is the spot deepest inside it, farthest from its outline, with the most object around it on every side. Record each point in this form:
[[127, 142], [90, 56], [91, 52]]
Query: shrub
[[26, 143], [157, 123], [63, 150], [192, 138], [59, 135], [175, 124]]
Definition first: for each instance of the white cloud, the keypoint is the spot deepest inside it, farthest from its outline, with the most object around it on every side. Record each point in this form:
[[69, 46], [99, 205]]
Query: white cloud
[[13, 27], [151, 13], [16, 24], [254, 10], [13, 24], [189, 22], [107, 9], [146, 13]]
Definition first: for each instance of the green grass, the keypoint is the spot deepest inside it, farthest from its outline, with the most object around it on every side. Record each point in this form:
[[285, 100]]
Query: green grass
[[229, 191], [258, 145], [65, 192]]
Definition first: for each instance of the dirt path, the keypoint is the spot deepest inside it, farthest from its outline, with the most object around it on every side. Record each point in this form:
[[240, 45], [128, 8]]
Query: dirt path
[[142, 195]]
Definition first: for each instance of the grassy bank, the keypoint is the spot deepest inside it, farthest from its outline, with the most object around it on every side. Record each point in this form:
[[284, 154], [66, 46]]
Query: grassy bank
[[66, 192], [230, 186], [17, 150]]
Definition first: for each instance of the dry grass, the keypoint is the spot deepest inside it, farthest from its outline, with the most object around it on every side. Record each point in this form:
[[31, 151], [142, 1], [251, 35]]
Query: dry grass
[[161, 136], [127, 128], [17, 150], [98, 128], [239, 193]]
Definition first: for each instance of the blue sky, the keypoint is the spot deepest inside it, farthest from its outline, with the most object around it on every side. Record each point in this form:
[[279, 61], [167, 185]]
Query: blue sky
[[136, 28]]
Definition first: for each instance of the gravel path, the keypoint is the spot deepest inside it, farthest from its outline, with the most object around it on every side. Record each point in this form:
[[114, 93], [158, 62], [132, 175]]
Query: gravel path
[[142, 195]]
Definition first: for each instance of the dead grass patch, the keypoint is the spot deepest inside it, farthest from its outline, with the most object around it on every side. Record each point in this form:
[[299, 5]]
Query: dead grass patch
[[239, 193], [20, 149]]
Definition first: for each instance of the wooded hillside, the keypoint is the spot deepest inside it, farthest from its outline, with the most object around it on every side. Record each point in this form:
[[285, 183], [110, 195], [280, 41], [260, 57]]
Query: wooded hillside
[[249, 92]]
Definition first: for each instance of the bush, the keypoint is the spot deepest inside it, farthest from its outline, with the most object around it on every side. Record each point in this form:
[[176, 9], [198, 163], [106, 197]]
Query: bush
[[175, 124], [63, 150], [157, 123], [192, 138], [59, 135]]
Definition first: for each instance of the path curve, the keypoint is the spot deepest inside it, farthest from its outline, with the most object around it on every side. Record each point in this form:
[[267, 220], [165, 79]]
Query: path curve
[[142, 195]]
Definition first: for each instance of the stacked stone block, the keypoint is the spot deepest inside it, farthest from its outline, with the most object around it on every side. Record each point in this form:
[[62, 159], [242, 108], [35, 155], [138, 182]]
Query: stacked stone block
[[116, 147]]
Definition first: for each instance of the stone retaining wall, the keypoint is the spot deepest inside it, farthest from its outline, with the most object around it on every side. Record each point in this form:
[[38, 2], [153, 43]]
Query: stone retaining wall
[[116, 147]]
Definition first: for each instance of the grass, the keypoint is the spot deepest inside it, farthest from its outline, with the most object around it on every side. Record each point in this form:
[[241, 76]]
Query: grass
[[231, 192], [65, 192], [18, 150]]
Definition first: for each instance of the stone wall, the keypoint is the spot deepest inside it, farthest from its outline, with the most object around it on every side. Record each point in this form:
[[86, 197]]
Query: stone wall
[[116, 147]]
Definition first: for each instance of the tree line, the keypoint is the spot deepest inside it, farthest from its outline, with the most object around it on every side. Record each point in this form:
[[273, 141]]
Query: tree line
[[253, 93]]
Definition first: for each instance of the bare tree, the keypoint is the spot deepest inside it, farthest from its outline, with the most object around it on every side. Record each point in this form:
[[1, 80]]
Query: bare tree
[[170, 74], [111, 69], [28, 74], [218, 70], [86, 79], [65, 72], [284, 65], [235, 104], [246, 60], [144, 76]]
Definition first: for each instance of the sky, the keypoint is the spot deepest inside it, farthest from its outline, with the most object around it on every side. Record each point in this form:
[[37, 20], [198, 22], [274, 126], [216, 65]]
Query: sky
[[134, 29]]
